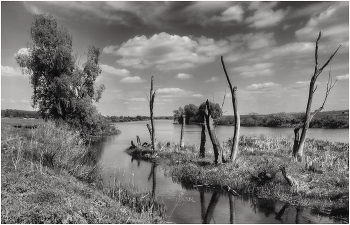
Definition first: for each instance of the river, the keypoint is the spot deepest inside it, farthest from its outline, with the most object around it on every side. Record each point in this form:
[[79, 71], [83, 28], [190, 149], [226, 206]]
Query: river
[[195, 206]]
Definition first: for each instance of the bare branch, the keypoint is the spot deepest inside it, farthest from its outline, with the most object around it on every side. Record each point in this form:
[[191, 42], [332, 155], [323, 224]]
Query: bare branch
[[330, 58], [316, 53], [315, 89], [228, 79]]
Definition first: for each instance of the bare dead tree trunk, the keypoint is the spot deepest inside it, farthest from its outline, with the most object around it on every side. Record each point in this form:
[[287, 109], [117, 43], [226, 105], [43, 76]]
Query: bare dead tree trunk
[[202, 200], [182, 143], [234, 149], [138, 140], [203, 140], [151, 102], [212, 134], [300, 148]]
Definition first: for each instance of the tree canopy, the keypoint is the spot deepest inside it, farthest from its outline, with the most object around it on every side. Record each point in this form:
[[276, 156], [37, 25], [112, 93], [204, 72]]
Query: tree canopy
[[194, 114], [62, 89]]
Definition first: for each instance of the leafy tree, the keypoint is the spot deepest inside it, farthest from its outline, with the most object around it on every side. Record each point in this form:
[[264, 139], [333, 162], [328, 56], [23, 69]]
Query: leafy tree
[[215, 109], [191, 111], [63, 90], [178, 113]]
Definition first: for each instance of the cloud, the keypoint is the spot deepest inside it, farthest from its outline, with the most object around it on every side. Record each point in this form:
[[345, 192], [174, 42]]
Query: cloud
[[109, 49], [333, 22], [170, 91], [169, 52], [262, 86], [343, 77], [183, 76], [234, 13], [259, 69], [213, 79], [135, 79], [254, 41], [264, 16], [8, 71], [110, 70], [197, 96], [137, 100]]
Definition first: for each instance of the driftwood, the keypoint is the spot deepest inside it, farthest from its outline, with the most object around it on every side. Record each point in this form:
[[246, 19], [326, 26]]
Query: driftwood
[[225, 187], [138, 140]]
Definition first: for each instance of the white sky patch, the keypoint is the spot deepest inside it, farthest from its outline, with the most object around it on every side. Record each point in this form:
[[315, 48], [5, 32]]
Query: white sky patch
[[169, 52], [213, 79], [343, 77], [110, 70], [183, 76], [8, 71], [262, 86], [264, 16], [135, 79], [8, 101]]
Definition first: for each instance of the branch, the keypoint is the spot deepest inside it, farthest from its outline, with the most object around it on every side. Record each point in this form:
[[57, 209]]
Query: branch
[[316, 53], [223, 65], [330, 58]]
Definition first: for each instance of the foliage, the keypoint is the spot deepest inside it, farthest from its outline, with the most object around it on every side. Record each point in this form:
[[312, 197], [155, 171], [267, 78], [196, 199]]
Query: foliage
[[332, 119], [19, 113], [63, 90], [34, 193], [195, 114]]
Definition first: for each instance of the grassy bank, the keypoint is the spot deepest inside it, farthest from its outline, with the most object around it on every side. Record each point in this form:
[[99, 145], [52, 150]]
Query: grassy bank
[[49, 175], [256, 170]]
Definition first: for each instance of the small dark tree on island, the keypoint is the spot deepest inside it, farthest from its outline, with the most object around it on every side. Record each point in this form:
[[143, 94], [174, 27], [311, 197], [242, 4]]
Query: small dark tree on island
[[63, 89], [299, 140]]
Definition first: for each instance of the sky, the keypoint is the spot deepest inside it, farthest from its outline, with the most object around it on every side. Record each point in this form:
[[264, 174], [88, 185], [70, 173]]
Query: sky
[[268, 49]]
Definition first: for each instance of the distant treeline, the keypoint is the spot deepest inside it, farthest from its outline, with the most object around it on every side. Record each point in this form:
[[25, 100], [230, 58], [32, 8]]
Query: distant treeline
[[115, 119], [15, 113], [330, 119]]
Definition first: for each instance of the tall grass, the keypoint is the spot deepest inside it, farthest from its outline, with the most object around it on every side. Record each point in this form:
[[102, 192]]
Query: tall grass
[[327, 185]]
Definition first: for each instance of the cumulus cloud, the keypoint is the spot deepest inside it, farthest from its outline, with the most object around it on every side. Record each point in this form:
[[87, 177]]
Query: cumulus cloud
[[135, 79], [254, 41], [213, 79], [265, 16], [170, 91], [259, 69], [262, 86], [137, 100], [9, 71], [110, 70], [343, 77], [234, 13], [183, 76], [197, 96], [168, 52], [333, 22]]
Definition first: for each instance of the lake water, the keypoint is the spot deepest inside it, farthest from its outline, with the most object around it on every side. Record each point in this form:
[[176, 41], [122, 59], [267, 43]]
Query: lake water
[[197, 205]]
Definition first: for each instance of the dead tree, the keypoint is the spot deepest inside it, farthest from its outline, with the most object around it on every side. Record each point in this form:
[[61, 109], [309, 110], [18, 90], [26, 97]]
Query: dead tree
[[203, 140], [234, 148], [298, 147], [182, 143], [151, 102], [212, 134]]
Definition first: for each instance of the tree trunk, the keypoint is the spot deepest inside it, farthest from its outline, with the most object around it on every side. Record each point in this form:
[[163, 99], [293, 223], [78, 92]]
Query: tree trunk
[[203, 140], [298, 148], [138, 140], [182, 143], [234, 149], [212, 134], [152, 94], [202, 200]]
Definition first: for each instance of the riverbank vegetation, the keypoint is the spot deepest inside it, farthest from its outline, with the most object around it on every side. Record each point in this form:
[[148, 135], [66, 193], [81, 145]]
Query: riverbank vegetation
[[49, 175], [321, 181]]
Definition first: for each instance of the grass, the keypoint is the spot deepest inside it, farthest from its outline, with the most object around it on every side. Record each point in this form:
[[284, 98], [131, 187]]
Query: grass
[[48, 175], [326, 186]]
